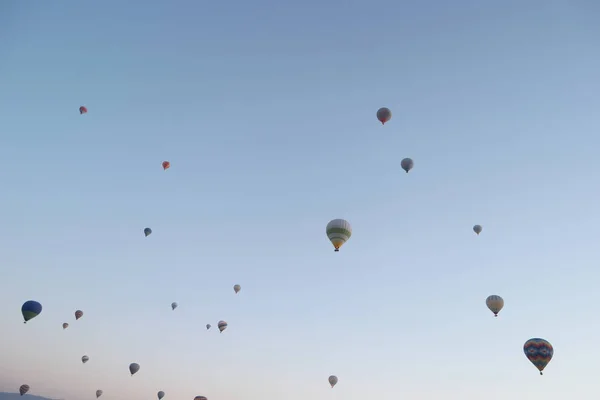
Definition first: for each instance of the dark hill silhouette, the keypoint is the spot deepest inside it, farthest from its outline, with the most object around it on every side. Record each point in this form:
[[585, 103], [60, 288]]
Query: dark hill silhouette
[[17, 396]]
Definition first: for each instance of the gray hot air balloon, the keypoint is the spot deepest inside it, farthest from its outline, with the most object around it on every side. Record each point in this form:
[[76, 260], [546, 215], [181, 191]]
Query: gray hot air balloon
[[98, 393], [477, 229], [23, 389], [133, 368], [160, 395], [174, 305], [85, 359], [333, 380], [407, 164], [208, 326], [147, 231], [222, 325], [495, 304], [384, 115], [237, 288]]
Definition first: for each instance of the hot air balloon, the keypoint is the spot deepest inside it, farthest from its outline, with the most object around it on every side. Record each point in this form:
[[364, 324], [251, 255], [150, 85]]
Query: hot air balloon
[[133, 368], [78, 314], [237, 288], [98, 393], [82, 110], [222, 325], [200, 398], [407, 164], [174, 305], [333, 380], [147, 231], [23, 389], [30, 309], [495, 304], [166, 165], [85, 359], [338, 231], [208, 326], [384, 115], [477, 229], [160, 395], [65, 325], [539, 352]]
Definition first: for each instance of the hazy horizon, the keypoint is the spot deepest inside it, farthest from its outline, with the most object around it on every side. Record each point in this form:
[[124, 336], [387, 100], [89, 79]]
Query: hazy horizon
[[266, 112]]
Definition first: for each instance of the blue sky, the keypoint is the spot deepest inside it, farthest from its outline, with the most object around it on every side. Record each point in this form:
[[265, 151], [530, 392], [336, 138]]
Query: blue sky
[[266, 111]]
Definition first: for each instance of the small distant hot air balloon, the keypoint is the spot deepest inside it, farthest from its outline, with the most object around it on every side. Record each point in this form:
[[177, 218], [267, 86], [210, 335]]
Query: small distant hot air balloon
[[200, 398], [160, 395], [23, 389], [65, 325], [222, 325], [407, 164], [82, 110], [133, 368], [539, 352], [78, 314], [477, 229], [166, 165], [495, 304], [237, 288], [208, 326], [333, 380], [174, 305], [147, 231], [384, 115], [85, 359], [98, 393], [30, 309], [338, 231]]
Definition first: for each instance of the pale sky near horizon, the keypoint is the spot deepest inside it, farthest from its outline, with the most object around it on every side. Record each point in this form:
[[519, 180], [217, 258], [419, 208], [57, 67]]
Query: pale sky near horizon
[[266, 111]]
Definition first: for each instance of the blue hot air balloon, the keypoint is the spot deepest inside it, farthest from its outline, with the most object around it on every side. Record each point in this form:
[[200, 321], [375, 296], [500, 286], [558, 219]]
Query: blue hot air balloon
[[147, 232], [31, 309]]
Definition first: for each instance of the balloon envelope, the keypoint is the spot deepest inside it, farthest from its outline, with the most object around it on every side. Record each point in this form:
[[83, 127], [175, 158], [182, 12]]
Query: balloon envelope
[[30, 309], [160, 395], [477, 229], [78, 314], [84, 359], [539, 352], [174, 305], [338, 231], [407, 164], [237, 288], [133, 368], [98, 393], [82, 110], [222, 325], [65, 325], [166, 165], [23, 389], [494, 303], [147, 231], [333, 380], [200, 398], [384, 115], [208, 326]]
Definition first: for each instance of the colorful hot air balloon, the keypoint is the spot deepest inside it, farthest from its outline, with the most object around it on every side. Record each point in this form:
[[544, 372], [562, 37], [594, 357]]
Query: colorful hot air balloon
[[160, 395], [166, 165], [23, 389], [477, 229], [85, 359], [133, 368], [65, 325], [539, 352], [208, 326], [222, 325], [147, 231], [333, 380], [174, 305], [82, 110], [407, 164], [384, 115], [338, 231], [98, 393], [237, 288], [30, 309], [200, 398], [78, 314], [495, 304]]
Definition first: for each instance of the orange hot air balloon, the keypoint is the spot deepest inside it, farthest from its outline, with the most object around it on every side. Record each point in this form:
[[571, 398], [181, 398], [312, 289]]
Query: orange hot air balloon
[[166, 165], [82, 110]]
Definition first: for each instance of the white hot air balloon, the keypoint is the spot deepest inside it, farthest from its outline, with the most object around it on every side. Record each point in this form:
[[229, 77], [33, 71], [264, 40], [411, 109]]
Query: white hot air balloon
[[338, 231], [333, 380], [495, 304]]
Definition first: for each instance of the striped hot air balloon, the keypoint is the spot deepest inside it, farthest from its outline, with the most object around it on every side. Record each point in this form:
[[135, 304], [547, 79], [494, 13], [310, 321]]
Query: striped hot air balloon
[[339, 232], [539, 352], [23, 389], [222, 325]]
